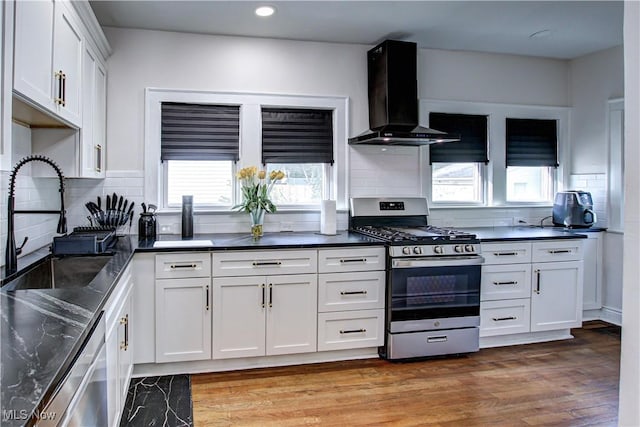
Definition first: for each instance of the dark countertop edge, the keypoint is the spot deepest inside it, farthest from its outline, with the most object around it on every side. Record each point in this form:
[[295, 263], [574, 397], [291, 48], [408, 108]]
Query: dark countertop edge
[[249, 247], [522, 239]]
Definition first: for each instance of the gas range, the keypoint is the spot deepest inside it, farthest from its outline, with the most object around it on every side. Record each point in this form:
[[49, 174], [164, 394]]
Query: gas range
[[432, 304], [402, 222]]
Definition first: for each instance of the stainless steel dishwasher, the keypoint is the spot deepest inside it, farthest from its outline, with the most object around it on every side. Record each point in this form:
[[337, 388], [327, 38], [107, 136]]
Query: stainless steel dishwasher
[[81, 397]]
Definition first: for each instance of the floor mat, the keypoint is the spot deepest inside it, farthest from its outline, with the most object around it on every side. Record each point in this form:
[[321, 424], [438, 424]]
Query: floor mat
[[159, 401]]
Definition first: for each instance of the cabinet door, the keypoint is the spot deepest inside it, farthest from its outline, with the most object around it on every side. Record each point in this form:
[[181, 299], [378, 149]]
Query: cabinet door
[[292, 314], [183, 320], [67, 58], [556, 298], [33, 52], [125, 355], [239, 308], [93, 116]]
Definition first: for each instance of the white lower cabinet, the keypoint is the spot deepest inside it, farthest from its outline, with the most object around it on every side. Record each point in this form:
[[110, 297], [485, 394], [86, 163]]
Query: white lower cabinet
[[264, 315], [118, 316], [530, 287], [351, 298], [183, 319], [556, 299]]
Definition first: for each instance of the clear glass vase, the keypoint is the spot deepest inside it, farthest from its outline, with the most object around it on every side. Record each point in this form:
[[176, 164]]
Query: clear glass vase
[[257, 221]]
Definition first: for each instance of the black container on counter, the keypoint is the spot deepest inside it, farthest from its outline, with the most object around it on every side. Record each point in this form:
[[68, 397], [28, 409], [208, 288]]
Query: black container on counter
[[187, 216], [147, 225]]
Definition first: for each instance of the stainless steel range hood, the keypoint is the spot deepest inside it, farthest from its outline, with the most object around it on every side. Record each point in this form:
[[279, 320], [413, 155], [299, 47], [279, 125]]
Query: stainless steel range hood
[[393, 99]]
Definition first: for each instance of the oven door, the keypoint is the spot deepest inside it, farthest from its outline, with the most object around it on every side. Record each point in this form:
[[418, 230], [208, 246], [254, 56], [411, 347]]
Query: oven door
[[440, 288]]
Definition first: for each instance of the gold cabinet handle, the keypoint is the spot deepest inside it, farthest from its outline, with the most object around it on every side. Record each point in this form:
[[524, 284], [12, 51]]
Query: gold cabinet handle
[[58, 75], [124, 345], [98, 166]]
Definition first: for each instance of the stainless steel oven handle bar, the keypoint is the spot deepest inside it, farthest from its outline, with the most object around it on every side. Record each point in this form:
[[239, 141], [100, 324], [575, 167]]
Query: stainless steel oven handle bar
[[439, 262]]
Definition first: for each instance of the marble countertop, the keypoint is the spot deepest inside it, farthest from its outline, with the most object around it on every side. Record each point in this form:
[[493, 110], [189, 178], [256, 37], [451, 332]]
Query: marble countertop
[[232, 241], [41, 331]]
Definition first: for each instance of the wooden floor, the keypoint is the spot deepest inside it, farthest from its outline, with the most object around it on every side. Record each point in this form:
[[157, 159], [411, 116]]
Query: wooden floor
[[564, 383]]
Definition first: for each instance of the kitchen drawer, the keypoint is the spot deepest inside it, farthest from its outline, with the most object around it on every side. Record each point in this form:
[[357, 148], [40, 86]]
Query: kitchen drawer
[[350, 329], [504, 317], [509, 281], [351, 291], [252, 263], [506, 253], [352, 259], [557, 250], [182, 265]]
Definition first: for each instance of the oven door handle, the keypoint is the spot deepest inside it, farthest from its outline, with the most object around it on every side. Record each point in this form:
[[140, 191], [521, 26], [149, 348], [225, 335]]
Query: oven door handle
[[440, 262]]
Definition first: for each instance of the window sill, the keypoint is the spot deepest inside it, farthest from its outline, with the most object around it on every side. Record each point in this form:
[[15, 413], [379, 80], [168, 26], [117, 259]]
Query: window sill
[[227, 211]]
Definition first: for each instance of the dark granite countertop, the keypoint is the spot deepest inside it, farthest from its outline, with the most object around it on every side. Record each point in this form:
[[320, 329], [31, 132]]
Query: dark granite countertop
[[501, 234], [42, 331], [233, 241]]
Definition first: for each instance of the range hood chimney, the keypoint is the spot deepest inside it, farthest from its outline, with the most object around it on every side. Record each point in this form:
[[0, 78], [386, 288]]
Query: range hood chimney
[[393, 99]]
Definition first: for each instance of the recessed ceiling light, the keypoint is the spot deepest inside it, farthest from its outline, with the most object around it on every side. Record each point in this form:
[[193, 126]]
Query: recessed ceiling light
[[265, 11], [540, 34]]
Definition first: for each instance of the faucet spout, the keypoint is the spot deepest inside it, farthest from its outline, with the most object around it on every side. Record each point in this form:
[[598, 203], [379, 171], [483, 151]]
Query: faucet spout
[[12, 252]]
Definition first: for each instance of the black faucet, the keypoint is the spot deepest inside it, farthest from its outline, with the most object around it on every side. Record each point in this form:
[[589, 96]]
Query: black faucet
[[11, 264]]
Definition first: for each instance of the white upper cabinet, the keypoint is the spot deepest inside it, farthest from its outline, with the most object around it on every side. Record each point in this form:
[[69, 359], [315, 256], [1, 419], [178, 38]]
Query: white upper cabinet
[[67, 64], [94, 99], [48, 58], [33, 50]]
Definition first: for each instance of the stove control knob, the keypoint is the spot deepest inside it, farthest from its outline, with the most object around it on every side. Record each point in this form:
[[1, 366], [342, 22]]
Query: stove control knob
[[417, 250], [459, 248], [469, 248], [406, 250], [438, 249]]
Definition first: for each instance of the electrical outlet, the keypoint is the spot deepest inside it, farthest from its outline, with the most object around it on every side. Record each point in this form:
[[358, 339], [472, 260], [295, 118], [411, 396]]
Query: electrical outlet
[[165, 229], [518, 220]]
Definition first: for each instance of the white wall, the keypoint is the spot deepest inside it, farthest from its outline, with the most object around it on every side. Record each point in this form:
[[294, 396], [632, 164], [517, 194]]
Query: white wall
[[629, 412], [594, 79], [144, 59]]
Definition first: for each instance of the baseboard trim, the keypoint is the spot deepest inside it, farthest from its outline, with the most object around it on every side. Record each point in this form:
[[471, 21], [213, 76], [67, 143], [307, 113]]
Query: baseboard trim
[[205, 366], [606, 314]]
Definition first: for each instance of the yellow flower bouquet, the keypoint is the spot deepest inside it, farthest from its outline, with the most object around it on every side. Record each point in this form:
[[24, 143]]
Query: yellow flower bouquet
[[256, 188]]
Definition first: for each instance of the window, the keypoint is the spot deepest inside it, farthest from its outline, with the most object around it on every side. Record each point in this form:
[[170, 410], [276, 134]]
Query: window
[[531, 156], [300, 143], [208, 181], [196, 141], [199, 145], [529, 184], [303, 184], [456, 167], [456, 182]]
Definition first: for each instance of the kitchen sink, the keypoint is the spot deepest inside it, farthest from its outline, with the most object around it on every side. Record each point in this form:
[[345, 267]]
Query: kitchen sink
[[60, 273]]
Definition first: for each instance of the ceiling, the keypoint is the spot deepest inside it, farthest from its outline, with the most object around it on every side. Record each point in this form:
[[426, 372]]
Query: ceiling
[[576, 28]]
